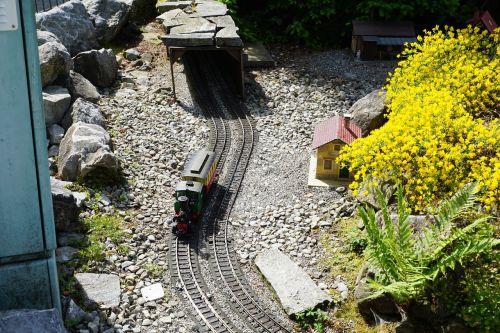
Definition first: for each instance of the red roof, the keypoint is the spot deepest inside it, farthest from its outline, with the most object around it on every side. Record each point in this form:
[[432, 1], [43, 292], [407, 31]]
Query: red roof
[[335, 128]]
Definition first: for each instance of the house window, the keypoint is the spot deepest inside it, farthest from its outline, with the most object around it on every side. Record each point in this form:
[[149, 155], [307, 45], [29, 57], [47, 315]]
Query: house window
[[327, 164], [336, 147]]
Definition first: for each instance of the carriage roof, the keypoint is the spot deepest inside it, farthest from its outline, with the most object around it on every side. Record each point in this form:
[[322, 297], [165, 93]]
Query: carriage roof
[[189, 186], [199, 164]]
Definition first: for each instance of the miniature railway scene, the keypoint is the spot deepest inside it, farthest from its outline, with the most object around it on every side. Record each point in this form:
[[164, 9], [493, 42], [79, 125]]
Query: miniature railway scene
[[237, 166]]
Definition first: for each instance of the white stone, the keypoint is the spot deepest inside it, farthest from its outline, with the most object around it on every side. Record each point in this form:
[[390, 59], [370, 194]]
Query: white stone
[[103, 289], [153, 292]]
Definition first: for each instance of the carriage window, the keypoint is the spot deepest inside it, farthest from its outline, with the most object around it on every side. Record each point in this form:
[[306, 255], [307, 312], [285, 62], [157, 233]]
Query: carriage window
[[327, 164]]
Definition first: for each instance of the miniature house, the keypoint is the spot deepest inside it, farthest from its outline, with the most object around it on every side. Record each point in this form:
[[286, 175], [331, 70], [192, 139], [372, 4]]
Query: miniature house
[[329, 137], [380, 40]]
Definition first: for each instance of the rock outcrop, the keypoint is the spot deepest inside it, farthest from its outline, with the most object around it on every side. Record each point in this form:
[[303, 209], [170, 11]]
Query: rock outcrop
[[98, 66], [56, 101], [85, 151], [109, 16], [55, 60], [66, 205], [85, 112], [79, 86], [368, 112], [71, 23]]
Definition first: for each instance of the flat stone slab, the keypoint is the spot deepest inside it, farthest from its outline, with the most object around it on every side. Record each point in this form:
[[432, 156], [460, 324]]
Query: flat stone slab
[[31, 321], [184, 40], [192, 26], [153, 292], [103, 289], [170, 15], [256, 55], [209, 8], [295, 289], [228, 37], [222, 21], [165, 6]]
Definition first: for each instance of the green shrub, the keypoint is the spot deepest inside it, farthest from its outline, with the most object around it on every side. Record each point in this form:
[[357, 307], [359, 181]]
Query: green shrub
[[409, 262], [315, 318]]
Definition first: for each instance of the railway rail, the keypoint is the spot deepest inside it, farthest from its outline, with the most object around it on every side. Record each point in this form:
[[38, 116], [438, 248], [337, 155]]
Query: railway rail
[[221, 108]]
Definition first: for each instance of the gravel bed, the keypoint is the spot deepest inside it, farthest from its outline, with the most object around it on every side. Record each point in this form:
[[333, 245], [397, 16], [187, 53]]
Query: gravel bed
[[275, 206]]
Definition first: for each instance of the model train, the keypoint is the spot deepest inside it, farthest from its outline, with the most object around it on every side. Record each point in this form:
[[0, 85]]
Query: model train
[[191, 192]]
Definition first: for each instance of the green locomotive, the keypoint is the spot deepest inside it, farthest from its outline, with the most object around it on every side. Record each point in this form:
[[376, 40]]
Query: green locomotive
[[191, 192]]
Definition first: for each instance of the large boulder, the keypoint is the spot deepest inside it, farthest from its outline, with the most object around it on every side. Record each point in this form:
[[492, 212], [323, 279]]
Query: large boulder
[[142, 11], [98, 66], [101, 289], [85, 151], [45, 37], [84, 111], [31, 321], [71, 23], [66, 205], [373, 308], [369, 112], [109, 16], [296, 291], [56, 101], [79, 86], [55, 61]]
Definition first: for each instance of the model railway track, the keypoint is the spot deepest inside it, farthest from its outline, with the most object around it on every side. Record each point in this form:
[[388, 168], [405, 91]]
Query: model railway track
[[221, 108]]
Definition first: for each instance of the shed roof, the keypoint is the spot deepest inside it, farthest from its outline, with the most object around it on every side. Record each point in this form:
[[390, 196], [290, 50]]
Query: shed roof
[[383, 28], [335, 128]]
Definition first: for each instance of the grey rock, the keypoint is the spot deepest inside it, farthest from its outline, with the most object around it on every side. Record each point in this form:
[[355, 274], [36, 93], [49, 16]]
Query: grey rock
[[53, 151], [31, 321], [295, 289], [45, 37], [199, 39], [71, 23], [65, 253], [98, 66], [222, 21], [368, 112], [153, 292], [93, 327], [72, 312], [85, 150], [165, 6], [55, 61], [56, 101], [383, 306], [209, 8], [101, 289], [79, 86], [132, 54], [69, 238], [193, 25], [109, 16], [66, 209], [85, 112], [174, 13], [56, 134], [228, 37], [368, 195]]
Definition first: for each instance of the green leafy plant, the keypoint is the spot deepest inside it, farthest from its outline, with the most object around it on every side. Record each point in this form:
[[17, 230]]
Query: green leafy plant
[[357, 240], [409, 261], [154, 270], [315, 318]]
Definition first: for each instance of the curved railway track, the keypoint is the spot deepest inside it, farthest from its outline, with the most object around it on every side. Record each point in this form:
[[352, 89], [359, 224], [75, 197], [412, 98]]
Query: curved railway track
[[221, 108]]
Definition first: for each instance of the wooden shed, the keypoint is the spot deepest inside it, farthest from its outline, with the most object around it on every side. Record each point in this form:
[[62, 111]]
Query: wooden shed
[[380, 39], [329, 137]]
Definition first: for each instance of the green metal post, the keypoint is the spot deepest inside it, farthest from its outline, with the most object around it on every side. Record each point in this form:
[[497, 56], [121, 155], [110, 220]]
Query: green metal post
[[28, 274]]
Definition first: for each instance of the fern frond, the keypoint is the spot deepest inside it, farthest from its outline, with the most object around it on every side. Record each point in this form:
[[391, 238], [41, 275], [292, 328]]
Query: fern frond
[[460, 202]]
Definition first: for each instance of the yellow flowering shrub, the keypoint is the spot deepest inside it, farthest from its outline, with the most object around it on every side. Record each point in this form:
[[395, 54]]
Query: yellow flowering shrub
[[443, 129]]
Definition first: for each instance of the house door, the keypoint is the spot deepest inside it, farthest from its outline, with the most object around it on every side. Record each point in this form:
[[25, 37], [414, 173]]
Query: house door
[[344, 173]]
